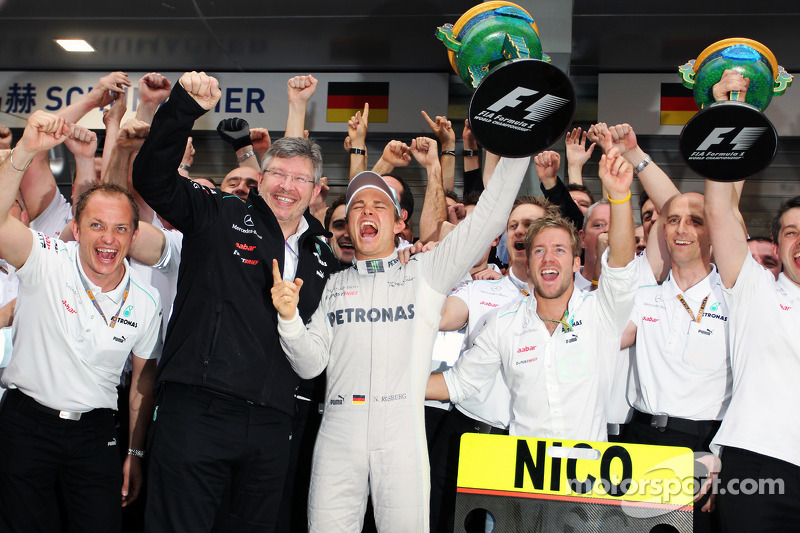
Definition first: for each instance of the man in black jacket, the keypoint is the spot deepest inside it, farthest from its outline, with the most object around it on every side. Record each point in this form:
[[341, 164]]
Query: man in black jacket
[[225, 389]]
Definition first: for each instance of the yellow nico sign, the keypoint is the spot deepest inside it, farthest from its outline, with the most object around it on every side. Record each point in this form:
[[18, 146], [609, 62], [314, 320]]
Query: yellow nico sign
[[597, 472]]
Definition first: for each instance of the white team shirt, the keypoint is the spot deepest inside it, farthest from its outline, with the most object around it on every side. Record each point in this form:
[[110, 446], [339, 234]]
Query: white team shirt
[[163, 276], [582, 283], [65, 355], [619, 409], [491, 404], [682, 366], [9, 284], [763, 414], [559, 384], [446, 349], [54, 218]]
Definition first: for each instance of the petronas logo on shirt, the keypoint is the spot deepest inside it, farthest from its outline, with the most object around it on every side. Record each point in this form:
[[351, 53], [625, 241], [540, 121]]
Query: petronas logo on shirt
[[374, 266], [127, 311]]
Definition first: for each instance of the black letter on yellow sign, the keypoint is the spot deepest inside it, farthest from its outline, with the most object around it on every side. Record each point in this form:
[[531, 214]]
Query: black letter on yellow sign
[[579, 487], [555, 471], [616, 452], [525, 461]]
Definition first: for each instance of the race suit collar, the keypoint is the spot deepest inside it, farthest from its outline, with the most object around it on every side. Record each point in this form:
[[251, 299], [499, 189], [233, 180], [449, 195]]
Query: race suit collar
[[374, 266]]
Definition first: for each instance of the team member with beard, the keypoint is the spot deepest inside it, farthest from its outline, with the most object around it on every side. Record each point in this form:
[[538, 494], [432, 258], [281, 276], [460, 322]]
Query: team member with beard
[[373, 332], [487, 411], [556, 346], [758, 436]]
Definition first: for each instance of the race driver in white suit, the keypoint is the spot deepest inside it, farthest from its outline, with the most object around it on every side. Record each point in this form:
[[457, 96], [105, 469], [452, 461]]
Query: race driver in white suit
[[373, 331]]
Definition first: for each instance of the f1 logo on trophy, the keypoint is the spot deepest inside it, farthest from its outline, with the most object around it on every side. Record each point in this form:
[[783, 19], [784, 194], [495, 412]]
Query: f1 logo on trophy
[[522, 104], [730, 140]]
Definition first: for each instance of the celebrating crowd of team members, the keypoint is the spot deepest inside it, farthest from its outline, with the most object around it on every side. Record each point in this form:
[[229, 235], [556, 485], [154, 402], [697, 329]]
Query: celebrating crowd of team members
[[246, 357]]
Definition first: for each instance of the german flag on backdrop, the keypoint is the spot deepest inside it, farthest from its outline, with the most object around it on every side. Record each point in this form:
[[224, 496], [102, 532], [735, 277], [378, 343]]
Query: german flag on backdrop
[[345, 98], [677, 104]]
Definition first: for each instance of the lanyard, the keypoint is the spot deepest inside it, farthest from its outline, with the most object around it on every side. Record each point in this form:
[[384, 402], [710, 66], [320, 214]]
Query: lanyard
[[689, 310], [97, 306], [566, 327]]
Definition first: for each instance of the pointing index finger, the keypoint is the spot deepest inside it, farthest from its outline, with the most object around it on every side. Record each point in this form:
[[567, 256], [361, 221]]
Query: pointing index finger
[[276, 272], [430, 122]]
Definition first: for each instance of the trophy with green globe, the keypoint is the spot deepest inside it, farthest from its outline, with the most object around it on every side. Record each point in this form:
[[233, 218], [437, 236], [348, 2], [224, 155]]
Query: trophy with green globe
[[732, 140], [522, 104]]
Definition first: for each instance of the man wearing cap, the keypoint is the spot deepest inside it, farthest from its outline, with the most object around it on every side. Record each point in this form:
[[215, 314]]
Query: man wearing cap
[[373, 332]]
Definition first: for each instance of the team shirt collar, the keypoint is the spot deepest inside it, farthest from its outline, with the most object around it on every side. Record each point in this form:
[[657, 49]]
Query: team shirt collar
[[698, 291], [115, 294], [518, 283], [575, 301], [791, 288]]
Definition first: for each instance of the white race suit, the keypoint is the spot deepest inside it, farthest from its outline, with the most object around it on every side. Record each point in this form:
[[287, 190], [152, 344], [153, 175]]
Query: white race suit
[[374, 331]]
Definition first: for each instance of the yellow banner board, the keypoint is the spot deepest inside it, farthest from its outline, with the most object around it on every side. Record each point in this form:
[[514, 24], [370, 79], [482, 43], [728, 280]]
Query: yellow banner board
[[592, 472]]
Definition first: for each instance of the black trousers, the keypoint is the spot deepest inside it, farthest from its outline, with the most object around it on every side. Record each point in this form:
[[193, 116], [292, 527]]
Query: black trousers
[[202, 444], [294, 507], [444, 466], [43, 458], [745, 501], [642, 433]]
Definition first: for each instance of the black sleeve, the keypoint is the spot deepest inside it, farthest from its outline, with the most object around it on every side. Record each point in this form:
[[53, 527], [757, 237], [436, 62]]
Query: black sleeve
[[186, 205], [559, 195], [473, 181]]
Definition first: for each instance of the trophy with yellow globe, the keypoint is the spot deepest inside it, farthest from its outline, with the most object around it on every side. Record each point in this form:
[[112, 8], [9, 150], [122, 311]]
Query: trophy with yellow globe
[[729, 140], [522, 104]]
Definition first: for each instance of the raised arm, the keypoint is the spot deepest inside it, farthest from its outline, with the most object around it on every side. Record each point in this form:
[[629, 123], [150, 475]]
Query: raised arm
[[728, 236], [261, 142], [658, 185], [300, 90], [547, 165], [112, 118], [577, 155], [489, 164], [236, 132], [150, 242], [357, 132], [82, 143], [153, 91], [395, 154], [101, 95], [42, 132], [130, 138], [473, 180], [617, 175], [188, 159], [554, 190], [434, 206], [443, 129], [155, 169]]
